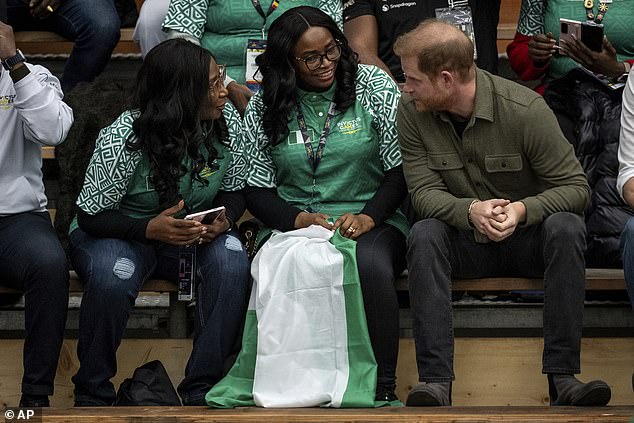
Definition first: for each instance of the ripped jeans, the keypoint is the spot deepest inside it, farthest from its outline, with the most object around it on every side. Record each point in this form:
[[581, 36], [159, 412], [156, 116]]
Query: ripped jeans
[[113, 271]]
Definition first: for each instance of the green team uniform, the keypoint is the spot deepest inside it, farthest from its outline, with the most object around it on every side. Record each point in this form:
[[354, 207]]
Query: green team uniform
[[224, 26], [118, 178], [361, 146]]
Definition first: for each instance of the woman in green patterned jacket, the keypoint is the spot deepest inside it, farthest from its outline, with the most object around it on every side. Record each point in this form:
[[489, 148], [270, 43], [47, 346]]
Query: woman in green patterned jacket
[[177, 151], [322, 149], [225, 27]]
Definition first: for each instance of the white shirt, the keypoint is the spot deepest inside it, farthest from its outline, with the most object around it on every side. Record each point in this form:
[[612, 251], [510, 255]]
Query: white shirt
[[626, 139]]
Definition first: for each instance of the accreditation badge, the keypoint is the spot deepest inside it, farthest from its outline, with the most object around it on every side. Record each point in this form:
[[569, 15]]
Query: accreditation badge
[[461, 18], [254, 49]]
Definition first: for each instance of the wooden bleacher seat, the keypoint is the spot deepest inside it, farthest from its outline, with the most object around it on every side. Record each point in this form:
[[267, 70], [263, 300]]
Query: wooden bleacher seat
[[384, 414], [596, 280], [177, 309], [43, 42]]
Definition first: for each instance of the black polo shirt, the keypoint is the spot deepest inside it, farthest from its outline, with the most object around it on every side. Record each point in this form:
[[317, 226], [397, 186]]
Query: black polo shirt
[[396, 17]]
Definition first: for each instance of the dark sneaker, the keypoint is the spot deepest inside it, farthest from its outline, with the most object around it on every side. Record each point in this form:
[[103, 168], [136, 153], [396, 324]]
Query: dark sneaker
[[430, 395], [568, 390], [385, 393]]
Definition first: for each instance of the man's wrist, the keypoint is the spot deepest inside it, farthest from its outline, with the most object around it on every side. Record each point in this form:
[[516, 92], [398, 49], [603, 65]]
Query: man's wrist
[[469, 212]]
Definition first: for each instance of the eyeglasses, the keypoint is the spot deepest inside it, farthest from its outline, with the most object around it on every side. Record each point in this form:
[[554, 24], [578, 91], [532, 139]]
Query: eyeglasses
[[215, 85], [314, 61]]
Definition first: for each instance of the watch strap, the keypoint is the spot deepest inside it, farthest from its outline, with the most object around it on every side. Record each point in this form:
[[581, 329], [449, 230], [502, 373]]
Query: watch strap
[[10, 62]]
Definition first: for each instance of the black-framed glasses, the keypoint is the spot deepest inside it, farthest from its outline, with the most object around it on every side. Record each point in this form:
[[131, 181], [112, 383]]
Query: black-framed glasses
[[215, 85], [314, 61]]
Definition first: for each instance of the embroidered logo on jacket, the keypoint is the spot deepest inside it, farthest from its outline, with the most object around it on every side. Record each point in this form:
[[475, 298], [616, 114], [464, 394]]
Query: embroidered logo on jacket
[[349, 126]]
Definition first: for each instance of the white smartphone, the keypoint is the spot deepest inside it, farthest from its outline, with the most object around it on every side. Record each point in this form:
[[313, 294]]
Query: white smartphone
[[208, 215], [568, 28]]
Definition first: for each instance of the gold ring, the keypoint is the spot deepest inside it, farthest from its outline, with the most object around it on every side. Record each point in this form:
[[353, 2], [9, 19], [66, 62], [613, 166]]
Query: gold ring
[[49, 8]]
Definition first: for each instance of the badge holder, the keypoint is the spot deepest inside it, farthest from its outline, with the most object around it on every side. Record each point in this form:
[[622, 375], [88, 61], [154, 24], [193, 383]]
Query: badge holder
[[186, 272], [254, 49], [460, 17]]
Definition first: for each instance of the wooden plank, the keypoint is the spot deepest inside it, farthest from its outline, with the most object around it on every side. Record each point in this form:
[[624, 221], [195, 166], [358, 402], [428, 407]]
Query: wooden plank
[[507, 371], [48, 152], [489, 371], [43, 42], [151, 285], [596, 280], [318, 415]]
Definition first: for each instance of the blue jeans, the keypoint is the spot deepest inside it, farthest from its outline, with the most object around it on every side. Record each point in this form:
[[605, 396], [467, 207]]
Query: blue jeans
[[553, 249], [627, 251], [32, 260], [113, 271], [93, 25]]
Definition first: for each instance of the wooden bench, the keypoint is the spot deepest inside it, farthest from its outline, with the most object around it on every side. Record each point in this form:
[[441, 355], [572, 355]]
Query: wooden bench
[[44, 43], [596, 280], [383, 414], [177, 309]]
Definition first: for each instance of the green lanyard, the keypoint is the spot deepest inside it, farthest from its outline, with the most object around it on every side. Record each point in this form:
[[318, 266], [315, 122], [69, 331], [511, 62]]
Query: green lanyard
[[602, 10]]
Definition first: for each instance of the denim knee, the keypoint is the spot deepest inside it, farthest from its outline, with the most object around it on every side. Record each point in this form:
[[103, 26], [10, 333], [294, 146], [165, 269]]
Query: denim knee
[[627, 236], [426, 232], [225, 251], [110, 269], [565, 228]]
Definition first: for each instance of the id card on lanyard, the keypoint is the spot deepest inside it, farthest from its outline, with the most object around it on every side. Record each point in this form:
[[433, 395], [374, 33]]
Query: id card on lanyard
[[314, 157], [255, 47], [458, 13]]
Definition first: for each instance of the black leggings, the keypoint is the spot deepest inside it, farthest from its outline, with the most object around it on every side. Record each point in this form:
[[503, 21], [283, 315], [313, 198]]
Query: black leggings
[[380, 260]]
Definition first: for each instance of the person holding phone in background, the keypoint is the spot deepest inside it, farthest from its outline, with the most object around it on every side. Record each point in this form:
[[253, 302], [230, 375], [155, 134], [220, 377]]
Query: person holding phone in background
[[534, 52], [177, 151], [587, 104]]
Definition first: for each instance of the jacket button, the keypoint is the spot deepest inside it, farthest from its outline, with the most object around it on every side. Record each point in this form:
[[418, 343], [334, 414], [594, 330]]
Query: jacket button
[[503, 164], [444, 162]]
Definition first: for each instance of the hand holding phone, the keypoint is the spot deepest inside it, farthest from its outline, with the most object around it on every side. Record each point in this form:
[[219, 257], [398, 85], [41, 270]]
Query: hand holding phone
[[207, 216], [589, 33]]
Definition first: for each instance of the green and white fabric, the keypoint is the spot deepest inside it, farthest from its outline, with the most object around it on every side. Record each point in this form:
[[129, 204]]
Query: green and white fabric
[[361, 146], [118, 178], [305, 340], [224, 26]]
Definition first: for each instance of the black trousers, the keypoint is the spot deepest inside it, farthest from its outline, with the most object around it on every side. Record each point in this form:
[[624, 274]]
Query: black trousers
[[32, 260], [553, 249], [380, 260]]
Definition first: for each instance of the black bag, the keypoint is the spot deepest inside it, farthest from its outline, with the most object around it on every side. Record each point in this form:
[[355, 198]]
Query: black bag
[[149, 385], [248, 231]]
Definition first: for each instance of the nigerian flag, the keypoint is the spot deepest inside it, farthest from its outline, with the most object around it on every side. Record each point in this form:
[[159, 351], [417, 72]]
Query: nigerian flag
[[305, 340]]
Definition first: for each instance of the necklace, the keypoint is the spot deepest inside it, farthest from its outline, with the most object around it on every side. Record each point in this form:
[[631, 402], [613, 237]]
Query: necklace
[[602, 9]]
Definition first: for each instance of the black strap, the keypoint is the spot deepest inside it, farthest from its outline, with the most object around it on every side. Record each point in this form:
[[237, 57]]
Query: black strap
[[272, 7], [313, 158]]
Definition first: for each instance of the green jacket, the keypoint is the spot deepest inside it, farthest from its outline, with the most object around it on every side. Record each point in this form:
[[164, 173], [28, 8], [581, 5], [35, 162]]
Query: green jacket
[[512, 148], [224, 26]]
